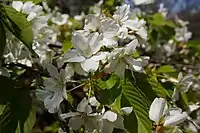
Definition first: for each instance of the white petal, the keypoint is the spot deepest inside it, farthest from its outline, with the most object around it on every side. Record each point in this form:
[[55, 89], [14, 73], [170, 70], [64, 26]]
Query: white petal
[[76, 122], [92, 22], [61, 131], [110, 116], [79, 70], [84, 107], [132, 24], [109, 42], [70, 114], [134, 64], [93, 101], [130, 48], [70, 54], [127, 110], [52, 103], [50, 84], [180, 76], [122, 13], [37, 9], [80, 42], [42, 94], [89, 65], [175, 119], [76, 59], [99, 56], [140, 2], [157, 109], [4, 72], [123, 32], [27, 7], [69, 71], [53, 71], [120, 68], [31, 16], [142, 32], [94, 41], [17, 5]]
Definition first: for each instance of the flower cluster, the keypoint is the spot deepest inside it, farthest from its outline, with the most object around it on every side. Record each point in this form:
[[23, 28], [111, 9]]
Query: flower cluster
[[92, 70]]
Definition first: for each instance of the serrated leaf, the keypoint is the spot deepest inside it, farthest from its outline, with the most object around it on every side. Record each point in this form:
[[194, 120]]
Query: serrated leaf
[[166, 69], [2, 38], [157, 87], [139, 80], [139, 107]]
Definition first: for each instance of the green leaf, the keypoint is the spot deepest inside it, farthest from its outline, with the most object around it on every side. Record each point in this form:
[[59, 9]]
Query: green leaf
[[108, 96], [29, 123], [67, 45], [21, 28], [140, 81], [139, 107], [166, 69], [157, 87], [1, 109], [2, 38], [130, 123], [17, 105], [109, 83], [194, 45]]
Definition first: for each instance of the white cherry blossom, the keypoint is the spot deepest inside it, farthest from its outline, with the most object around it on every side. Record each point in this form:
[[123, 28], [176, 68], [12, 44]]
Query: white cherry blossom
[[83, 116], [183, 83], [55, 87], [119, 59], [86, 51], [159, 110], [60, 19], [133, 26]]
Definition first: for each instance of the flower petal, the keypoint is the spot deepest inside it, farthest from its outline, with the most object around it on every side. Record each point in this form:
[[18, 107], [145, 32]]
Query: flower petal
[[70, 114], [80, 42], [90, 65], [134, 64], [84, 107], [17, 5], [94, 41], [99, 56], [52, 103], [27, 7], [127, 110], [92, 22], [76, 59], [130, 48], [175, 118], [157, 109], [110, 116], [50, 84], [53, 71]]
